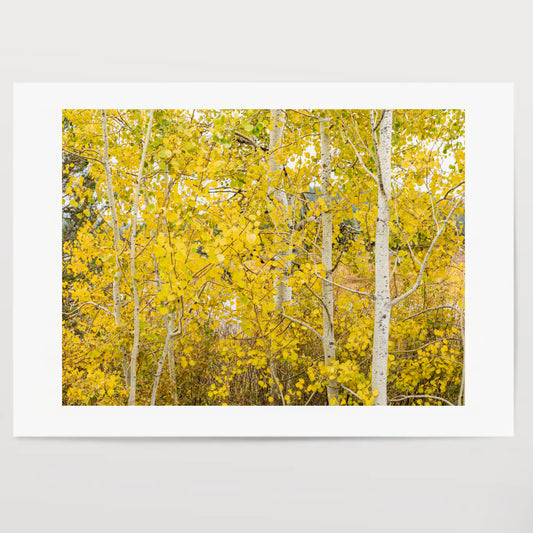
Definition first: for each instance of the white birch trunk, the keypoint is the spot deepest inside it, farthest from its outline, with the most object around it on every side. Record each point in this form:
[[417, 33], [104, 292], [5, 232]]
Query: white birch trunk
[[280, 212], [135, 216], [167, 352], [117, 306], [168, 347], [114, 220], [276, 137], [382, 302], [462, 386], [172, 373], [328, 335]]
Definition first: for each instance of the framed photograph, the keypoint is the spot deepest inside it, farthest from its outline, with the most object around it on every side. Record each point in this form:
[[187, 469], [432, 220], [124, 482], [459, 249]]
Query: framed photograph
[[263, 259]]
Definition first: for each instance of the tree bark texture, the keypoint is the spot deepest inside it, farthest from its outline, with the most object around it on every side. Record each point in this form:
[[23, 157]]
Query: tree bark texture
[[281, 208], [168, 347], [328, 334], [382, 302], [114, 220], [135, 216]]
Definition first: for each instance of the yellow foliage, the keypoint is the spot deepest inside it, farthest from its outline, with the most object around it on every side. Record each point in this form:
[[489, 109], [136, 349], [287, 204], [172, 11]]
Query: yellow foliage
[[213, 245]]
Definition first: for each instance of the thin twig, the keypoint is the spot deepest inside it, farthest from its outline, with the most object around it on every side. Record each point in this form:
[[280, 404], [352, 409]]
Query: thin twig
[[371, 296], [351, 392], [401, 398], [304, 324], [426, 258]]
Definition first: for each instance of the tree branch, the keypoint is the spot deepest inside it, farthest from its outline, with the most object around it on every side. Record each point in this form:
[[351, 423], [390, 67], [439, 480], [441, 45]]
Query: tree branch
[[449, 191], [401, 398], [360, 159], [371, 296], [351, 392], [89, 303], [321, 301], [304, 324], [426, 258], [431, 309], [275, 379]]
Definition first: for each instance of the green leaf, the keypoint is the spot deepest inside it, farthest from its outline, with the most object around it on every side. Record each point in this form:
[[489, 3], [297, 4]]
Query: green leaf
[[189, 146]]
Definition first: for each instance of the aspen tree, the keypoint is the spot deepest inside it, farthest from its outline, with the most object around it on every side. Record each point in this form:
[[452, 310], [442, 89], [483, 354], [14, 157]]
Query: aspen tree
[[328, 334], [136, 300]]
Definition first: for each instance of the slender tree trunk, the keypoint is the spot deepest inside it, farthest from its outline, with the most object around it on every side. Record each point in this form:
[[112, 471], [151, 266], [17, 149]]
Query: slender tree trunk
[[172, 373], [135, 216], [168, 347], [328, 335], [276, 137], [382, 302], [460, 400], [116, 244], [114, 220], [279, 215], [283, 292], [170, 354], [167, 353]]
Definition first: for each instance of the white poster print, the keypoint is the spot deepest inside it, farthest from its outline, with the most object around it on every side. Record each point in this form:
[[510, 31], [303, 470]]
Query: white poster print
[[263, 263]]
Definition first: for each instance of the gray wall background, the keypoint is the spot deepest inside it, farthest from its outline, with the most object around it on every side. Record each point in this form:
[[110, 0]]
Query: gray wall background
[[398, 485]]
